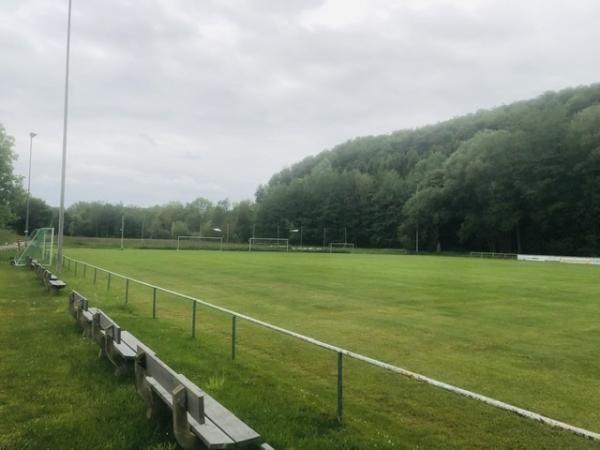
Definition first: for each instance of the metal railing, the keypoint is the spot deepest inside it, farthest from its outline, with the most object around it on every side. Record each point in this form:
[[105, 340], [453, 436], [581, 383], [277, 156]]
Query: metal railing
[[340, 352]]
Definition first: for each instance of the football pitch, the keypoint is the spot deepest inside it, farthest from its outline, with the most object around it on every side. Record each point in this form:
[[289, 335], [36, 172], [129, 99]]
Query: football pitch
[[523, 333]]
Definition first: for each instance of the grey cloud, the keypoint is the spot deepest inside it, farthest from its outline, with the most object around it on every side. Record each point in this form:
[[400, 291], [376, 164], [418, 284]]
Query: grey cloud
[[176, 99]]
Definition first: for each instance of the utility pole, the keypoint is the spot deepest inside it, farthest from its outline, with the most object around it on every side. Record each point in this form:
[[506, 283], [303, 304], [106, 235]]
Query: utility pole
[[61, 212], [31, 136]]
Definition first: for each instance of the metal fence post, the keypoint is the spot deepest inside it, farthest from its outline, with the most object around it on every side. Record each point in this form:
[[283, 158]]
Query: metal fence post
[[108, 282], [95, 274], [154, 303], [126, 290], [84, 269], [194, 304], [75, 268], [233, 337], [340, 385]]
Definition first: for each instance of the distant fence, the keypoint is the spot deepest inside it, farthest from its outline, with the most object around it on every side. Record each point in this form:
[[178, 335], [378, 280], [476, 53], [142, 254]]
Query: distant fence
[[559, 259], [494, 255], [84, 268], [538, 258]]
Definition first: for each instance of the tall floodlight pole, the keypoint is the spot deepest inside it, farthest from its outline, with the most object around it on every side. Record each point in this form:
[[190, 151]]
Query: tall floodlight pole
[[31, 136], [61, 213]]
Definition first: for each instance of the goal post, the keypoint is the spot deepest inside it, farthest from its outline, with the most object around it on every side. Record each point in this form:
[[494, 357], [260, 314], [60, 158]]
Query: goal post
[[199, 243], [40, 247], [268, 244], [341, 247]]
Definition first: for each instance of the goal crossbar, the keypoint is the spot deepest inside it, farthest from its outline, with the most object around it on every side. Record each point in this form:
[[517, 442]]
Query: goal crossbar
[[218, 240], [272, 243], [340, 245]]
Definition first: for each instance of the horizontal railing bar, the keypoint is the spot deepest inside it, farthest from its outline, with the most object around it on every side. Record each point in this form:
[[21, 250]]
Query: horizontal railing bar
[[374, 362]]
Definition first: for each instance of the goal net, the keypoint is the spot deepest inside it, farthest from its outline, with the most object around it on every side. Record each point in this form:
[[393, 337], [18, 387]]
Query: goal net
[[341, 247], [199, 243], [268, 244], [40, 247]]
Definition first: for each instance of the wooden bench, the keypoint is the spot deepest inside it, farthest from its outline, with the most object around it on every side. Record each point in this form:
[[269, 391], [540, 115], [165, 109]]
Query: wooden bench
[[119, 346], [48, 279], [199, 421], [52, 282], [81, 312]]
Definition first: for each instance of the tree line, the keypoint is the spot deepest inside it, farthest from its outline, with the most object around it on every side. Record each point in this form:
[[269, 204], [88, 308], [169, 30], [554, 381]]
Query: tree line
[[524, 177]]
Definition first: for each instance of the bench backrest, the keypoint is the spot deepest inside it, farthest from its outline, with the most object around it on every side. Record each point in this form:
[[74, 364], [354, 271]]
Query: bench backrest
[[109, 326], [168, 379], [77, 303]]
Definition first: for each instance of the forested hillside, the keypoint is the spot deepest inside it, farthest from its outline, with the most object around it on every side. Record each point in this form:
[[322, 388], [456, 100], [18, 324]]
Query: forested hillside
[[523, 177], [519, 178]]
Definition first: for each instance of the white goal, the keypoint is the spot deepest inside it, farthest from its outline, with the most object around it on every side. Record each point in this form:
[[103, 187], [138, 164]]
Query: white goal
[[494, 255], [341, 247], [268, 244], [199, 243], [39, 247]]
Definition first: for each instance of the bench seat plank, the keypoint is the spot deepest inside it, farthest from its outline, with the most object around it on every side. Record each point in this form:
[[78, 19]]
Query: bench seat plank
[[210, 434], [124, 350], [228, 422], [133, 343], [237, 430]]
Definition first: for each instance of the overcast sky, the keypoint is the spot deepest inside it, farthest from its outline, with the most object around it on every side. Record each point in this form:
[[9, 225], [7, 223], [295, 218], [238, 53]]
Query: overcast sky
[[176, 99]]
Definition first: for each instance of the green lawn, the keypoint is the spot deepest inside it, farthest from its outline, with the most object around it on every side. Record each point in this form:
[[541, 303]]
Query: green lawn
[[524, 333], [54, 391]]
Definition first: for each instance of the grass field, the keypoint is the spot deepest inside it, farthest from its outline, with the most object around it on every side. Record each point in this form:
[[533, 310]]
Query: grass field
[[54, 391], [524, 333]]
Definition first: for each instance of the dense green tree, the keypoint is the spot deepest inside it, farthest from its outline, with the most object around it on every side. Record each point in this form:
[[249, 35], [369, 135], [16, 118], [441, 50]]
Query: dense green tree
[[522, 177], [10, 186], [40, 214]]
